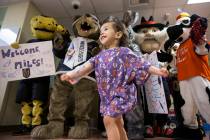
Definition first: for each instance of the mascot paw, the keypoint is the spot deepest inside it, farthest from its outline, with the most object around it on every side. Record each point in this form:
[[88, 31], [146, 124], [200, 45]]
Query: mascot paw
[[15, 45], [51, 130], [79, 131]]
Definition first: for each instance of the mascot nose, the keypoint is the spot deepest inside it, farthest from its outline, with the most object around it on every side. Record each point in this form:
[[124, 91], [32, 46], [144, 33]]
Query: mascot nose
[[149, 34]]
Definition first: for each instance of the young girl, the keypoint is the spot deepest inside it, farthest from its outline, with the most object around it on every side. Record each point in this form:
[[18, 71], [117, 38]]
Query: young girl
[[116, 69]]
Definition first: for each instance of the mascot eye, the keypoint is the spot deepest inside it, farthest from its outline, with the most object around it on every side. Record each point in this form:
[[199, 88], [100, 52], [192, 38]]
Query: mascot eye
[[186, 22], [144, 31], [154, 30]]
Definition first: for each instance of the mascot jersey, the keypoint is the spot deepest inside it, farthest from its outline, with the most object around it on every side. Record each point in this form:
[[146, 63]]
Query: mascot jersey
[[187, 58], [32, 93], [39, 86]]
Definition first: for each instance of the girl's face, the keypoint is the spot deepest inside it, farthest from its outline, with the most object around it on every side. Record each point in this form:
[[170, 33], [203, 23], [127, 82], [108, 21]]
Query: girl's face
[[108, 36]]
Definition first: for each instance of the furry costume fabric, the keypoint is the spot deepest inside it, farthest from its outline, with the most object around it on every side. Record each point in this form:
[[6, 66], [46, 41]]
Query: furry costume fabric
[[193, 72], [150, 37], [33, 93]]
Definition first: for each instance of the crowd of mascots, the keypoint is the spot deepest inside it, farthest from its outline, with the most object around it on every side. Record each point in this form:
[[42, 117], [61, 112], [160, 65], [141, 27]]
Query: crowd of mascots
[[182, 48]]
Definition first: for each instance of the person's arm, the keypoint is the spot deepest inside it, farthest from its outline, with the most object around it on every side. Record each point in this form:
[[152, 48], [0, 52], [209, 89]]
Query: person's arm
[[158, 71], [73, 76]]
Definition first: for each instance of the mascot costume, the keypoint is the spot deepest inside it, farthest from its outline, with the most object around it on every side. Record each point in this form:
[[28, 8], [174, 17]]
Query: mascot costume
[[33, 93], [193, 71], [83, 47], [150, 37]]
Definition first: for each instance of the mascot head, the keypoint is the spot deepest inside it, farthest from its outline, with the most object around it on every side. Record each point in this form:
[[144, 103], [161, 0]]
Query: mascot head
[[86, 26], [186, 27], [43, 27], [145, 37]]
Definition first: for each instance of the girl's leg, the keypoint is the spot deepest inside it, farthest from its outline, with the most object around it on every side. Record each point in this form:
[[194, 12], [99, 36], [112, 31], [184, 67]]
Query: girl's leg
[[120, 125], [115, 128], [111, 128]]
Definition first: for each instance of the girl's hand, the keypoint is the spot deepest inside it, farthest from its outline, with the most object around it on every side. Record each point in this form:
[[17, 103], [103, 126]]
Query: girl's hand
[[164, 72], [64, 77], [67, 77]]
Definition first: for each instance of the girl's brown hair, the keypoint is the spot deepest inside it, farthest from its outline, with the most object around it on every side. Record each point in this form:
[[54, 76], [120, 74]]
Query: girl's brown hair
[[118, 26]]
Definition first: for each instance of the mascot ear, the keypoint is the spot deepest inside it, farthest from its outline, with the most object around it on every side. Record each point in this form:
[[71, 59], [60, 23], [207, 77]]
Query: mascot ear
[[167, 24], [151, 18], [143, 20], [194, 17]]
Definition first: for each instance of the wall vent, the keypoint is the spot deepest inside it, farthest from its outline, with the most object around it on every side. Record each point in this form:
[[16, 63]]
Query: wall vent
[[138, 2]]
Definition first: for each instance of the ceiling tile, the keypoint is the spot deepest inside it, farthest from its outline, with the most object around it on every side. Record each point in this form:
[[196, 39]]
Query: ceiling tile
[[85, 7], [150, 4], [108, 6], [200, 9], [8, 2], [160, 14], [119, 15], [50, 8], [169, 3], [66, 22]]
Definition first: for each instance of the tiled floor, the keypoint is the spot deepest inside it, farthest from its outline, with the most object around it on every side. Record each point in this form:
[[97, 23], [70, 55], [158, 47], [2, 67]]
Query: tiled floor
[[95, 135], [8, 136]]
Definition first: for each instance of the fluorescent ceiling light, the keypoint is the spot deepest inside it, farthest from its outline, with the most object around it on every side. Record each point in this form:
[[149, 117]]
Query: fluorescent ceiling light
[[197, 1]]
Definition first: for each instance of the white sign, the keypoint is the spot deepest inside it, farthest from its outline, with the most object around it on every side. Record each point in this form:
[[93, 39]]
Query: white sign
[[77, 52], [155, 94], [29, 61]]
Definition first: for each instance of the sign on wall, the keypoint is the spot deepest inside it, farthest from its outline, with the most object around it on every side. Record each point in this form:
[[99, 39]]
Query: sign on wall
[[29, 61]]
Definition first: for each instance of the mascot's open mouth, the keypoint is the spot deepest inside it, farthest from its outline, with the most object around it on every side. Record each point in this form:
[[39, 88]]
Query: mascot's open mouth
[[85, 27], [43, 30], [152, 39]]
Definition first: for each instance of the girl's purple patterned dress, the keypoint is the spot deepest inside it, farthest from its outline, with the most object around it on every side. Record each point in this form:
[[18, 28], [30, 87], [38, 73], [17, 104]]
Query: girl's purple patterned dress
[[113, 68]]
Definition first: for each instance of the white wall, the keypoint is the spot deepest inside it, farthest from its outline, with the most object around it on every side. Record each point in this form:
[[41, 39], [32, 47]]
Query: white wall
[[17, 15]]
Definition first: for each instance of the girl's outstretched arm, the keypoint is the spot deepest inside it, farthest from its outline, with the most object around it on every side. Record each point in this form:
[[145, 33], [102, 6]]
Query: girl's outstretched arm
[[158, 71], [74, 75]]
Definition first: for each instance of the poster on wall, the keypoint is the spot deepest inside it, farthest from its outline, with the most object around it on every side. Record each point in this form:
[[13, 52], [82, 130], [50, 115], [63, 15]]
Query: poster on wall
[[29, 61], [155, 94]]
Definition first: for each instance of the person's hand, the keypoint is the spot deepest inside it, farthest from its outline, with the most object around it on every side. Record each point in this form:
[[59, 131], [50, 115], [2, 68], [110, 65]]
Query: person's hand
[[15, 45], [67, 77], [64, 77], [164, 72]]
